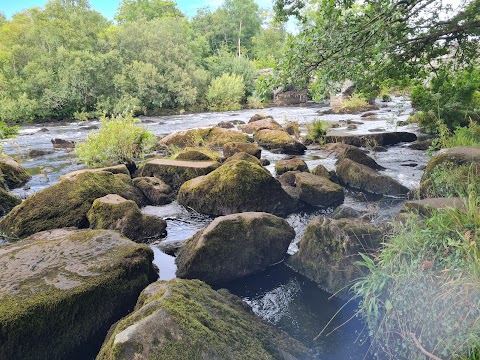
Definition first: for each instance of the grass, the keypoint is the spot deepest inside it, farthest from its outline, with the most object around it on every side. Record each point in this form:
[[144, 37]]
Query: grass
[[462, 136], [355, 101], [317, 130]]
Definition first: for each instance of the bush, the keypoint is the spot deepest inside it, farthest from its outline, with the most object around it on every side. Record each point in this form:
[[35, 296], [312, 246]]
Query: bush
[[225, 93], [317, 130], [422, 293], [118, 141], [7, 132], [462, 136], [354, 101]]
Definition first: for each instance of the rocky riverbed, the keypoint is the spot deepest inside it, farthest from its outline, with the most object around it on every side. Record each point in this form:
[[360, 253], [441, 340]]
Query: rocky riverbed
[[322, 178]]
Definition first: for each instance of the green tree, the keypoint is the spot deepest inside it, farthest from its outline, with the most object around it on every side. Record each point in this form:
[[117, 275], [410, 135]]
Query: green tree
[[268, 45], [133, 10]]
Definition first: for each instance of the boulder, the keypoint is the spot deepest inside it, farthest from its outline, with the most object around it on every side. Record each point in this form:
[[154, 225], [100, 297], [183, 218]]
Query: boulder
[[462, 162], [329, 249], [187, 319], [113, 212], [426, 207], [343, 212], [370, 140], [170, 247], [318, 191], [155, 190], [36, 153], [321, 170], [67, 202], [184, 138], [267, 123], [225, 125], [357, 155], [234, 187], [244, 156], [366, 179], [231, 148], [234, 246], [218, 137], [61, 290], [421, 144], [14, 175], [7, 201], [258, 117], [116, 169], [295, 164], [279, 141], [198, 154], [176, 172], [63, 144]]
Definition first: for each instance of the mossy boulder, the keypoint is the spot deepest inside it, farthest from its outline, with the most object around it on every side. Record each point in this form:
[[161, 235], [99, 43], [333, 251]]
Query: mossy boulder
[[198, 154], [67, 202], [355, 154], [116, 169], [235, 187], [267, 123], [113, 212], [187, 319], [218, 137], [366, 179], [61, 290], [344, 212], [458, 164], [231, 148], [329, 249], [318, 191], [7, 201], [176, 172], [370, 140], [279, 141], [234, 246], [295, 164], [184, 138], [426, 207], [321, 170], [155, 190], [13, 174], [258, 117], [244, 156]]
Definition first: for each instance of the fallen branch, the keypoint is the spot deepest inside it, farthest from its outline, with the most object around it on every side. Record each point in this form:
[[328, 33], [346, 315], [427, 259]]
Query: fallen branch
[[422, 349]]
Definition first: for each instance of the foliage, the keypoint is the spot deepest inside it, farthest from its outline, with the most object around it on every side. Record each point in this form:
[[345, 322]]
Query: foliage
[[353, 102], [422, 293], [317, 130], [254, 102], [134, 10], [370, 41], [462, 136], [118, 141], [451, 97], [6, 132], [268, 45], [453, 180], [226, 92]]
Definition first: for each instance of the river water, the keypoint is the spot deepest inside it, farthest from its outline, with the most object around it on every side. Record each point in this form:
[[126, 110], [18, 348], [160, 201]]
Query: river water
[[279, 295]]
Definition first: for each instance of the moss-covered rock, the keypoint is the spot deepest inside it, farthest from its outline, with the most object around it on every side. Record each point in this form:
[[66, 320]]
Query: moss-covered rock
[[67, 202], [355, 154], [318, 191], [329, 249], [370, 140], [280, 141], [267, 123], [186, 319], [364, 178], [176, 172], [244, 156], [113, 212], [258, 117], [235, 187], [215, 137], [61, 290], [7, 201], [295, 164], [321, 170], [13, 174], [344, 212], [218, 137], [116, 169], [459, 165], [234, 246], [155, 190], [198, 154], [231, 148]]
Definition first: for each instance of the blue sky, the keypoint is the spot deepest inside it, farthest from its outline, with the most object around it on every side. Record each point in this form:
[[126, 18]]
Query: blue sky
[[108, 7]]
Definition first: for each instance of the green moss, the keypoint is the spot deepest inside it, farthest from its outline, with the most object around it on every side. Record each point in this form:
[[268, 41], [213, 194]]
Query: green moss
[[245, 157], [231, 148], [7, 201], [14, 175], [40, 321], [295, 164], [210, 325], [66, 203], [198, 154], [279, 140]]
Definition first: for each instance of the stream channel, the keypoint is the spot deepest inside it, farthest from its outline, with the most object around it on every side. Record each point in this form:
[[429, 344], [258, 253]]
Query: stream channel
[[279, 295]]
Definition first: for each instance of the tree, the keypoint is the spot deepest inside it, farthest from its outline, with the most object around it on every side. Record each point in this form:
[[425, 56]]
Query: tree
[[133, 10], [370, 41]]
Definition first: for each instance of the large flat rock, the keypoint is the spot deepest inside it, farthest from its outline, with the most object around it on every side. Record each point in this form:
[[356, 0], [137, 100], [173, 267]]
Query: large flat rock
[[370, 140]]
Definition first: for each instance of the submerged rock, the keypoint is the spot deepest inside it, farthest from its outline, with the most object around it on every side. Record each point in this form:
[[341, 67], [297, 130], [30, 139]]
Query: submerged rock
[[329, 249], [280, 141], [363, 178], [176, 172], [186, 319], [13, 174], [231, 148], [235, 187], [61, 290], [112, 212], [67, 202], [295, 164], [234, 246], [155, 190]]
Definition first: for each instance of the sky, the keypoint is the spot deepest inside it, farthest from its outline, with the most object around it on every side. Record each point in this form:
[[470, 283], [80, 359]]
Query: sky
[[109, 7]]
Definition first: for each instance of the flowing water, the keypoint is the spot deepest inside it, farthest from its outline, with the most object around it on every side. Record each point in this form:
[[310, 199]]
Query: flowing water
[[279, 295]]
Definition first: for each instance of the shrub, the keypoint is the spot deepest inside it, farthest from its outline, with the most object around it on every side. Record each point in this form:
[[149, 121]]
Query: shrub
[[118, 141], [317, 130], [254, 102], [225, 93], [462, 136], [422, 293], [354, 101]]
